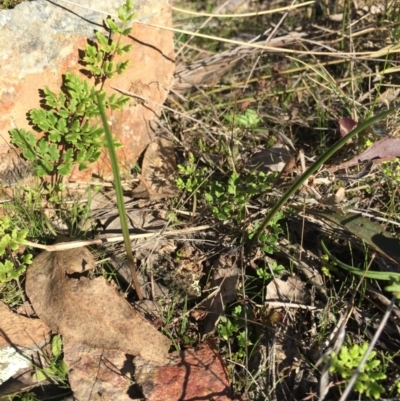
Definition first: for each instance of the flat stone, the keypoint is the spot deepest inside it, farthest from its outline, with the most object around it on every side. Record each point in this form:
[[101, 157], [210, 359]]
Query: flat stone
[[193, 374], [42, 40]]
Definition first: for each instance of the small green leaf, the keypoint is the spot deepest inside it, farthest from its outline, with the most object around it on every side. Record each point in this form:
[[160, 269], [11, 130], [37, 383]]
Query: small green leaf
[[94, 70], [89, 60], [68, 155], [112, 25], [113, 47], [48, 166], [125, 49], [63, 368], [83, 166], [63, 113], [40, 171], [75, 126], [53, 152], [81, 156], [122, 66], [51, 119], [5, 240], [39, 118], [41, 375], [91, 51], [64, 168], [8, 266], [51, 98], [62, 100], [72, 106], [107, 49], [54, 135], [56, 346], [101, 38], [122, 15], [24, 140], [21, 236], [27, 259], [126, 31], [62, 125], [108, 66]]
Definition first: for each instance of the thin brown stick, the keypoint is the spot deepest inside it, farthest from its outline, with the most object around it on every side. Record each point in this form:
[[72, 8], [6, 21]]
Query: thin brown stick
[[61, 246]]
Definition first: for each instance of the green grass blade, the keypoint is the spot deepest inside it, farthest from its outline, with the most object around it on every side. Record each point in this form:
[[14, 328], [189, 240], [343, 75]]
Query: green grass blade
[[376, 275], [120, 196]]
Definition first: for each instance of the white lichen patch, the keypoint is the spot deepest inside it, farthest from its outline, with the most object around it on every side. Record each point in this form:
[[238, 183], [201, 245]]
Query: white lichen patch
[[11, 361]]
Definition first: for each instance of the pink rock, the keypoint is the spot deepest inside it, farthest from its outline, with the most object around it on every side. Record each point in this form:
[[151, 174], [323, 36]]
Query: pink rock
[[96, 374], [194, 374]]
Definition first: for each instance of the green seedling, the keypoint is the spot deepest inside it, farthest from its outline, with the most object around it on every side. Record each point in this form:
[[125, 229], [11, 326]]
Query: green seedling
[[265, 274], [229, 200], [12, 265], [347, 361], [69, 136], [270, 237], [248, 119], [232, 329], [191, 177], [56, 369]]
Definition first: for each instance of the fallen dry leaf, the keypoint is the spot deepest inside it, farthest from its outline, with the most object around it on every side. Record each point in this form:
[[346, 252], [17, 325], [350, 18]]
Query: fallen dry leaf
[[333, 199], [273, 159], [87, 311], [194, 374], [292, 290], [385, 149], [225, 278], [158, 169], [346, 125]]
